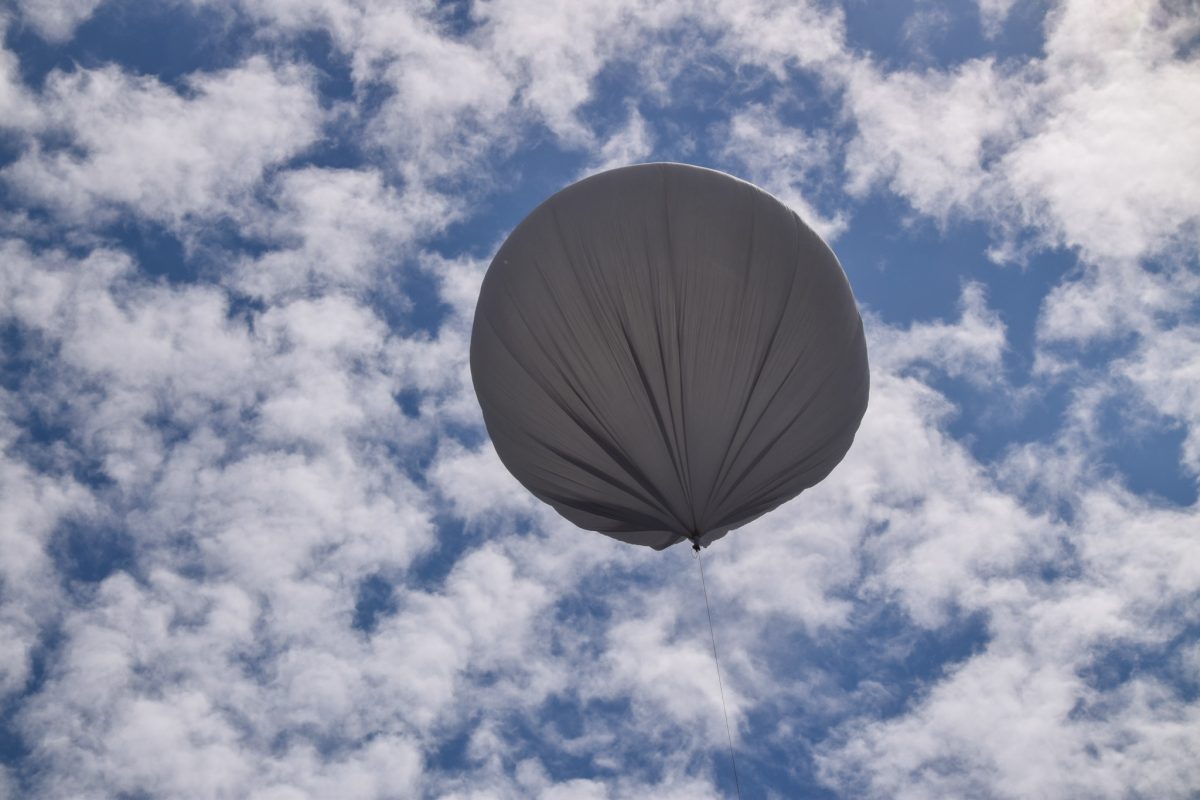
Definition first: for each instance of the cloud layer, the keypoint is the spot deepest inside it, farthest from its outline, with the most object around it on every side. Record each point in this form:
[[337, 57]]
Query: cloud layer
[[256, 544]]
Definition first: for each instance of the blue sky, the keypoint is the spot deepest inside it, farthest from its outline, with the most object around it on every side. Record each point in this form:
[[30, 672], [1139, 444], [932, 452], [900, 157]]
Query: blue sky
[[254, 541]]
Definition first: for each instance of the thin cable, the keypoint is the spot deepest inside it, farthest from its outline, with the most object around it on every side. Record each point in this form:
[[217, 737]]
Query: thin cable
[[717, 664]]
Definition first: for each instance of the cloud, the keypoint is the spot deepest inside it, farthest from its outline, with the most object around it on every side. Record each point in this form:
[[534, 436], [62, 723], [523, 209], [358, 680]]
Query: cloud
[[780, 35], [1166, 371], [939, 168], [35, 505], [17, 106], [1083, 147], [632, 143], [134, 144], [56, 20], [993, 14], [785, 161], [328, 584], [333, 229], [1050, 723], [557, 52], [126, 352], [1102, 165], [450, 103], [1111, 300], [971, 348]]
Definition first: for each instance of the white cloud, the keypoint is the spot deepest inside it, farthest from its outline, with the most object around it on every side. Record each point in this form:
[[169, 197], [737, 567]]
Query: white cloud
[[993, 14], [258, 460], [1087, 147], [1031, 713], [1022, 741], [451, 101], [333, 229], [931, 544], [477, 485], [1111, 300], [35, 505], [128, 351], [1109, 165], [556, 51], [17, 106], [630, 144], [667, 678], [1044, 728], [927, 135], [138, 145], [971, 348], [778, 35], [56, 20], [1166, 370], [799, 563], [437, 367], [785, 161]]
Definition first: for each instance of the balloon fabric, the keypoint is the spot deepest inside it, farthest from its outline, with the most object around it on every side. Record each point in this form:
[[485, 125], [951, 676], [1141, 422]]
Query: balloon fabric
[[664, 352]]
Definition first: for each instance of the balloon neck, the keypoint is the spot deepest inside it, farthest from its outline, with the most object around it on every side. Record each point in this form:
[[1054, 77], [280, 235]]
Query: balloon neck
[[695, 539]]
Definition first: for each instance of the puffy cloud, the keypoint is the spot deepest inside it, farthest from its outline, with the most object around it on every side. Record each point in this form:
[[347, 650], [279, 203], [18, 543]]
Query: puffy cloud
[[1108, 301], [783, 160], [56, 20], [450, 103], [632, 143], [1085, 147], [132, 355], [133, 143], [1166, 370], [332, 586], [35, 505], [928, 135], [333, 229], [558, 51], [17, 106], [1103, 163], [992, 15], [971, 348], [1051, 723], [255, 503], [779, 35]]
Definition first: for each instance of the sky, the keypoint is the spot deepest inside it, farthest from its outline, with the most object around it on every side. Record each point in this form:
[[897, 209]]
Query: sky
[[255, 543]]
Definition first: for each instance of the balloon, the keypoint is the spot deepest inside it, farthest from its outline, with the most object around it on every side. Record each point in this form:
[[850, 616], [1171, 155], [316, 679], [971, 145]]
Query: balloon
[[664, 352]]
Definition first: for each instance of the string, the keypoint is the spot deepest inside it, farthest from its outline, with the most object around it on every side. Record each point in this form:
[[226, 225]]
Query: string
[[720, 685]]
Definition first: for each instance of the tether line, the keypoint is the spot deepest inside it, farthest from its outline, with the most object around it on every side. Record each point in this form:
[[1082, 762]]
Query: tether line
[[720, 685]]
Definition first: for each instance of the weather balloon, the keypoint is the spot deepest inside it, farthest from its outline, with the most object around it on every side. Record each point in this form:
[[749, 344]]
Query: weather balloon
[[664, 352]]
